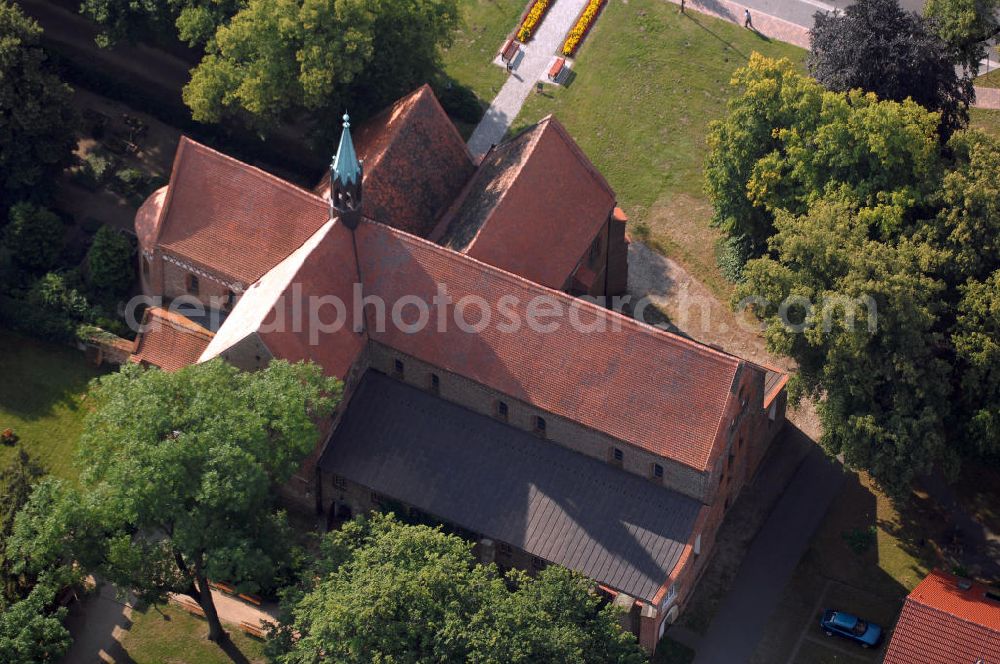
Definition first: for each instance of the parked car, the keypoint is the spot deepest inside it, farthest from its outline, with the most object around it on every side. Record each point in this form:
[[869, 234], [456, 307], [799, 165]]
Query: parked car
[[840, 623]]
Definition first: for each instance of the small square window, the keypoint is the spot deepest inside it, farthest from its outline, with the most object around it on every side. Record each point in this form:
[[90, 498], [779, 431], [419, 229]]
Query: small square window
[[339, 483], [435, 383], [657, 471], [618, 455], [192, 284], [502, 410], [398, 367], [540, 425]]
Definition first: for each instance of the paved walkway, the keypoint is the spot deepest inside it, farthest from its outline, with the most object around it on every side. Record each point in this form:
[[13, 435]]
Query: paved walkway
[[530, 66], [743, 614], [790, 21]]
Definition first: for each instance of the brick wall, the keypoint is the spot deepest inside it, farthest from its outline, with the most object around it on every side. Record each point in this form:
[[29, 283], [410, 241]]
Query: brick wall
[[577, 437], [617, 254]]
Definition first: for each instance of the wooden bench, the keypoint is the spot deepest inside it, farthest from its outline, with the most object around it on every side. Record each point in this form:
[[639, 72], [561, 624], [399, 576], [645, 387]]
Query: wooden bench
[[253, 630], [510, 49], [191, 607], [223, 587], [556, 69], [253, 599]]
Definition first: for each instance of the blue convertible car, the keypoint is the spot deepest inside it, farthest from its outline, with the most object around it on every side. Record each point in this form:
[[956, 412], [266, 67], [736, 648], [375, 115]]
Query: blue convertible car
[[851, 627]]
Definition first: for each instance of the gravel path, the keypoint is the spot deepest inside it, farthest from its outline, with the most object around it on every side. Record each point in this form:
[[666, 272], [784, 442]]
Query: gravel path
[[530, 66]]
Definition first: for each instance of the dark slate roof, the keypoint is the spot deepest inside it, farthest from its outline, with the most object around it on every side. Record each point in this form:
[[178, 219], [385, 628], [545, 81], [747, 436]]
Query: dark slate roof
[[488, 477]]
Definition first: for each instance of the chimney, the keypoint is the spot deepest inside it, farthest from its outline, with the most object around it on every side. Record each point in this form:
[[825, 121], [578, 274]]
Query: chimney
[[346, 175]]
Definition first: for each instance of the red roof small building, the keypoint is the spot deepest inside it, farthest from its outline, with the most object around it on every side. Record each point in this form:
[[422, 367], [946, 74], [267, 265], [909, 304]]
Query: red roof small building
[[947, 620], [169, 340]]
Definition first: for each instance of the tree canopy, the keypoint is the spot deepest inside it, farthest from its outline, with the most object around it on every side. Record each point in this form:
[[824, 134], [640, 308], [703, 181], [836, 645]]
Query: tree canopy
[[876, 46], [874, 265], [179, 472], [785, 142], [110, 270], [282, 58], [34, 237], [36, 119], [385, 591], [966, 26]]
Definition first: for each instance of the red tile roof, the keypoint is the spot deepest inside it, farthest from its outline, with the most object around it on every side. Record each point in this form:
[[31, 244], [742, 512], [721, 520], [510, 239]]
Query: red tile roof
[[415, 163], [329, 269], [231, 217], [148, 218], [170, 341], [533, 208], [942, 623], [655, 390]]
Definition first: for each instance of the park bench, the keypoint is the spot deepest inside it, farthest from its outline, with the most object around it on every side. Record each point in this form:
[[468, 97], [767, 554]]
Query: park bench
[[510, 50], [253, 630], [253, 599], [556, 69], [191, 607], [223, 587]]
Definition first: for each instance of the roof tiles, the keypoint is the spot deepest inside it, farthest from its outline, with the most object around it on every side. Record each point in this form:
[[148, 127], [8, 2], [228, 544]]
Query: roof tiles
[[170, 341], [942, 623]]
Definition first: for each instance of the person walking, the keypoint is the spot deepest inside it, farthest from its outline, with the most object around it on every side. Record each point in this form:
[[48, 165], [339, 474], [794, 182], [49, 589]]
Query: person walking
[[747, 21]]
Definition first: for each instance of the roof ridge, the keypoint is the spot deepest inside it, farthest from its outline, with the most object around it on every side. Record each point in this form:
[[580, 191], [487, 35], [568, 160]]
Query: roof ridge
[[532, 144], [580, 155], [179, 322], [938, 609], [521, 281], [283, 183]]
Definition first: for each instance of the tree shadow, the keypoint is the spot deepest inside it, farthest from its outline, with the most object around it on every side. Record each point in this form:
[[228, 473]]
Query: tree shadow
[[722, 40]]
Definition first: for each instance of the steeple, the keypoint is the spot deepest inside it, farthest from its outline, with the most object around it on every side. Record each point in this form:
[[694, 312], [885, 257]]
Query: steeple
[[346, 175]]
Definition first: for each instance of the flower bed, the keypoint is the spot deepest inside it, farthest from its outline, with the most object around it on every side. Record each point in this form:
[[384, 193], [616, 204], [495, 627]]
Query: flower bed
[[532, 19], [582, 27]]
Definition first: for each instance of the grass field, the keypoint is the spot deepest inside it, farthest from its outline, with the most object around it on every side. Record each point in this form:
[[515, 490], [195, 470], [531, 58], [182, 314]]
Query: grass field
[[42, 399], [646, 83], [987, 119], [485, 24], [990, 79], [169, 635]]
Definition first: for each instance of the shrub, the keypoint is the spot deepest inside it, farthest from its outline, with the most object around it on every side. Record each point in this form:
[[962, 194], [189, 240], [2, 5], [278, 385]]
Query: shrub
[[110, 272], [94, 170], [583, 25], [129, 181], [34, 237], [532, 19]]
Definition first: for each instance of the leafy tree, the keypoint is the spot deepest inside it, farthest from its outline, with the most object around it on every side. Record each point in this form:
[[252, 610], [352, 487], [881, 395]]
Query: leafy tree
[[384, 591], [34, 237], [786, 142], [876, 46], [966, 26], [110, 268], [977, 342], [281, 57], [136, 20], [36, 119], [32, 634], [16, 480], [179, 476]]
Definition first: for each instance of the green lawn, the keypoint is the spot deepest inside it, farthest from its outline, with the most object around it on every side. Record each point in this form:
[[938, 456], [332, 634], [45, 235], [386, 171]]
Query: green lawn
[[42, 399], [485, 25], [645, 85], [987, 119], [169, 635], [990, 79]]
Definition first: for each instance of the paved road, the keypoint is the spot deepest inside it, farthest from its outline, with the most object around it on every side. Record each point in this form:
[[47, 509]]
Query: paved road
[[744, 612]]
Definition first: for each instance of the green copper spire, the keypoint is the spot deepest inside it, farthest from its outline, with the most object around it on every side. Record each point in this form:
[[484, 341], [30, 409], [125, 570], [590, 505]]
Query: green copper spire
[[345, 166]]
